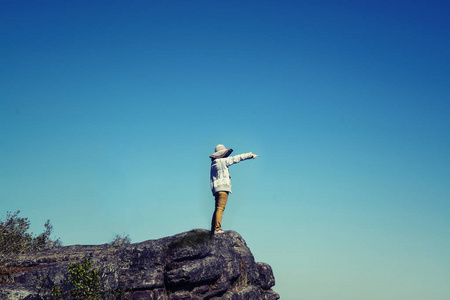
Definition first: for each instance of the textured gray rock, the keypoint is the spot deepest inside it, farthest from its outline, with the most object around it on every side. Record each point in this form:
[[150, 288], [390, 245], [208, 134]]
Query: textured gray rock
[[189, 265]]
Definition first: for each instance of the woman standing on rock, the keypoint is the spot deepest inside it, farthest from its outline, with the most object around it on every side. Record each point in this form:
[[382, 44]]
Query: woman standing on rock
[[220, 181]]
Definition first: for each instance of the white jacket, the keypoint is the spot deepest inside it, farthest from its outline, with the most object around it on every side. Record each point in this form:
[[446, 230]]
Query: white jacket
[[220, 176]]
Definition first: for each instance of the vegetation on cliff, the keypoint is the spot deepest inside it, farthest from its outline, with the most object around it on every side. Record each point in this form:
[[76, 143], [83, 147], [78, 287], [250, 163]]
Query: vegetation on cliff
[[15, 237]]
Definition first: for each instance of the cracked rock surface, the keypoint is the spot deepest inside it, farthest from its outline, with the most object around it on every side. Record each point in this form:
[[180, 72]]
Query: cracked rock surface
[[189, 265]]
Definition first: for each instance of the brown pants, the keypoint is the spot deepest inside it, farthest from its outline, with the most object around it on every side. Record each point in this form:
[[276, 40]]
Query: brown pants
[[221, 202]]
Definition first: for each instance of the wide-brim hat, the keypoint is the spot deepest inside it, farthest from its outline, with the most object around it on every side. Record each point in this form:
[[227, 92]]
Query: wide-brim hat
[[221, 152]]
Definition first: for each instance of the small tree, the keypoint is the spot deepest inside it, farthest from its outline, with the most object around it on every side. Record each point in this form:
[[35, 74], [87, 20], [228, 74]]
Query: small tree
[[15, 238]]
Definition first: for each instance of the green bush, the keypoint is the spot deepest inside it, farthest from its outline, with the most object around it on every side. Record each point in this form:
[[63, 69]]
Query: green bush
[[83, 283], [15, 238]]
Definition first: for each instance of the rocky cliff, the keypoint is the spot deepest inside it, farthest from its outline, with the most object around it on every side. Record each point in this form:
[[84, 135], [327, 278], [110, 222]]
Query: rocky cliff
[[189, 265]]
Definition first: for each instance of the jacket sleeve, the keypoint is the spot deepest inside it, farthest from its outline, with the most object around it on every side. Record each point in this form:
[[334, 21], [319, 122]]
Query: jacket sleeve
[[237, 158]]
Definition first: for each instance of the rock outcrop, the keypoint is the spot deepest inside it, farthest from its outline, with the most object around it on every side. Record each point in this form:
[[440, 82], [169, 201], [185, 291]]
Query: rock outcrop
[[189, 265]]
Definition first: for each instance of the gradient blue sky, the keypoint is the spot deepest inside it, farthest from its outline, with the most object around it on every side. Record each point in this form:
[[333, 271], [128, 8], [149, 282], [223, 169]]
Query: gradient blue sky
[[110, 109]]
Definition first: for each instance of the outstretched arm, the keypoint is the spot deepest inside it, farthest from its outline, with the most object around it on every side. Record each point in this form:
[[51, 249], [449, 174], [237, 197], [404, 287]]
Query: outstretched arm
[[238, 158]]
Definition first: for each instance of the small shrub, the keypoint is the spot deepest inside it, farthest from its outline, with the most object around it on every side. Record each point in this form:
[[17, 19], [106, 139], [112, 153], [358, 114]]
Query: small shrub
[[82, 282], [15, 238], [120, 240]]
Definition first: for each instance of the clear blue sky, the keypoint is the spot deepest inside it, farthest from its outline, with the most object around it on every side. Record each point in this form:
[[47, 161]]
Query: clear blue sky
[[110, 109]]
